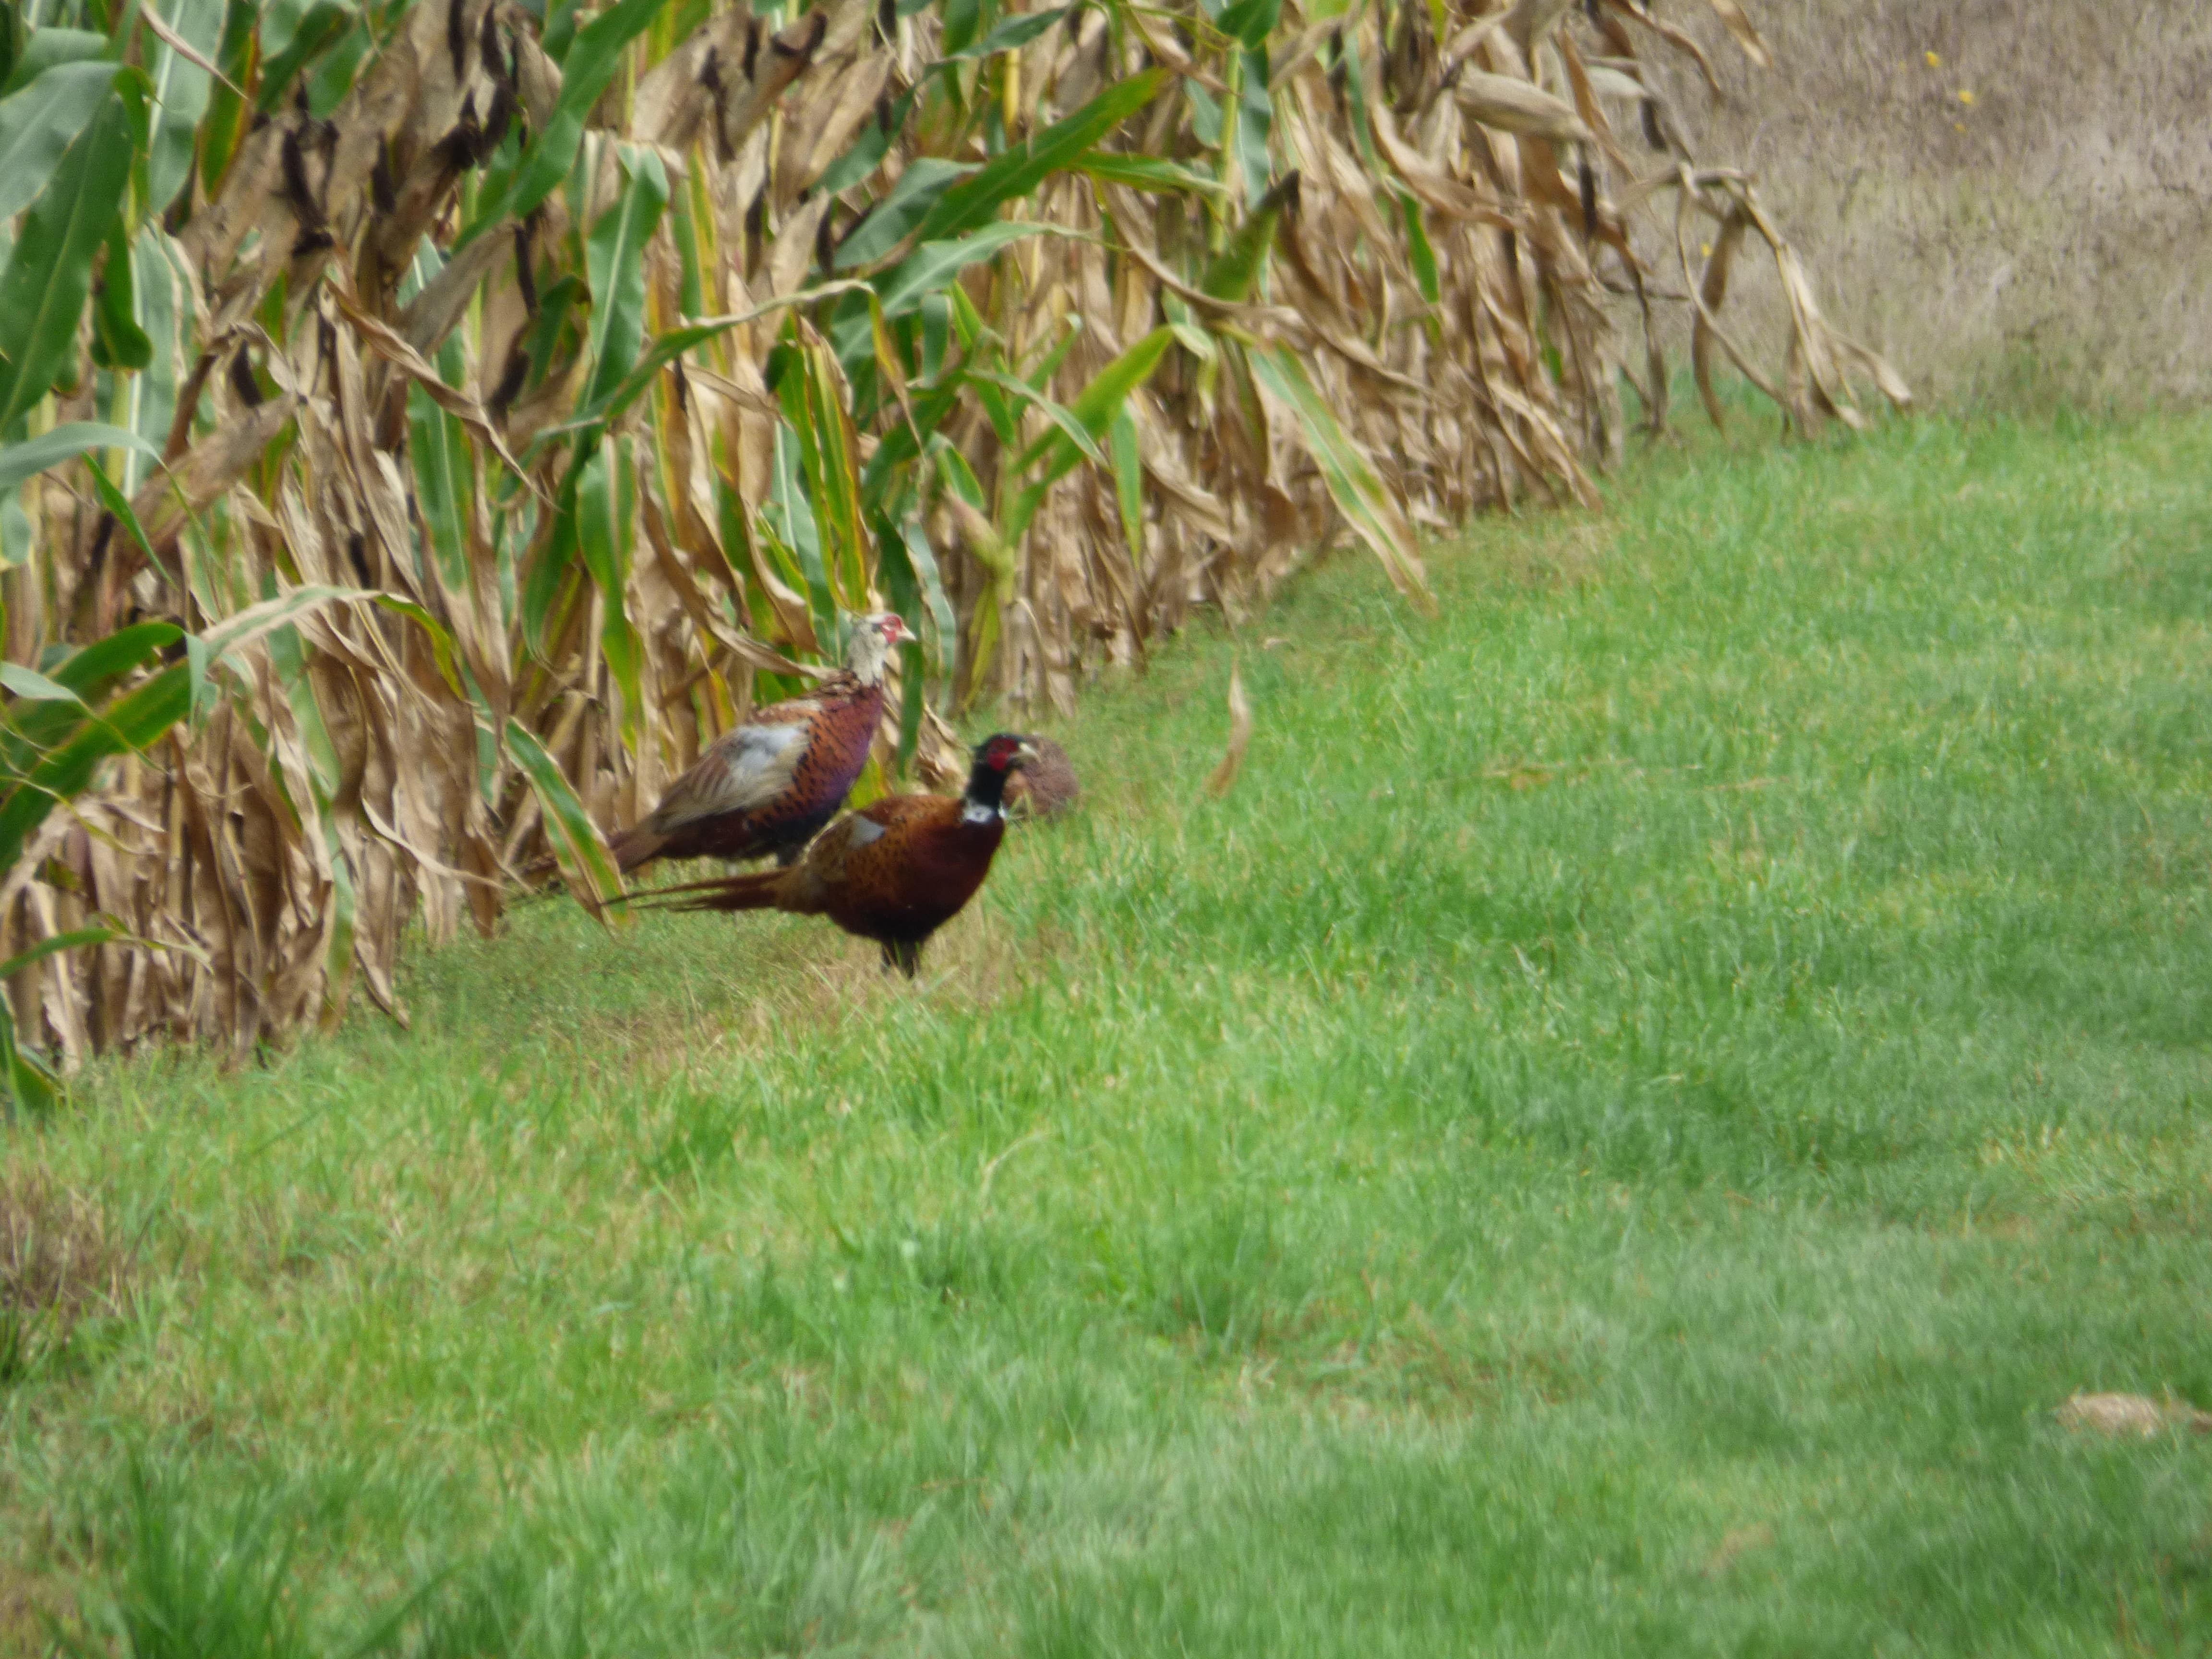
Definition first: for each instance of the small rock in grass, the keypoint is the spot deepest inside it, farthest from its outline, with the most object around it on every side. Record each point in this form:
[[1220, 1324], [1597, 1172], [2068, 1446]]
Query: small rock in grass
[[2132, 1414], [1742, 1540]]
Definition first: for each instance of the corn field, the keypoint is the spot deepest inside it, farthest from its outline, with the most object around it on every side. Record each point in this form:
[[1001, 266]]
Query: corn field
[[424, 424]]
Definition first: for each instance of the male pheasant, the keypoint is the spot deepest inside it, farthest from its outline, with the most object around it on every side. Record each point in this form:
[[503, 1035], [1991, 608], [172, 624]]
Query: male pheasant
[[769, 786], [895, 872]]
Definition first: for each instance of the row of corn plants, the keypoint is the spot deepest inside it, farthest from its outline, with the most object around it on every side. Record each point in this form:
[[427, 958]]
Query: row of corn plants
[[424, 424]]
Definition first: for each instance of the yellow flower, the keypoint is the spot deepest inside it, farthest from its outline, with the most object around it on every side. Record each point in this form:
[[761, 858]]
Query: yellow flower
[[1934, 62], [1966, 97]]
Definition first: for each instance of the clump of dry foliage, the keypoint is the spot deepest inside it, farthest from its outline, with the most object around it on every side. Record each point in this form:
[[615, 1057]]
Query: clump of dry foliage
[[456, 413], [2009, 201]]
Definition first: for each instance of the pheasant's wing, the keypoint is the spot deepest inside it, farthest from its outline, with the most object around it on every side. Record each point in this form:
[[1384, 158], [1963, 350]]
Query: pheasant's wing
[[867, 856], [742, 771]]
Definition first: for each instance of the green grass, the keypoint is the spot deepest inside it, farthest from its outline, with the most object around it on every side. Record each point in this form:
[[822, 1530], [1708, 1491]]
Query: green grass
[[1613, 1138]]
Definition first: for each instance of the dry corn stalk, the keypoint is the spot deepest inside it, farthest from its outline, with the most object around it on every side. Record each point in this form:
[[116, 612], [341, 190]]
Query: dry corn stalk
[[486, 413]]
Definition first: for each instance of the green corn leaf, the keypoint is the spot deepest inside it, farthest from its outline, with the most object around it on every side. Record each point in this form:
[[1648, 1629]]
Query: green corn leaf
[[600, 540], [311, 27], [92, 670], [794, 535], [963, 18], [692, 212], [1234, 271], [66, 442], [984, 637], [901, 207], [146, 403], [1205, 114], [921, 558], [960, 479], [1419, 252], [205, 652], [903, 443], [1355, 86], [1255, 119], [117, 503], [975, 201], [38, 124], [1011, 35], [345, 911], [441, 643], [1039, 375], [810, 392], [933, 265], [135, 720], [30, 1082], [903, 587], [117, 342], [1129, 483], [869, 149], [1004, 422], [1250, 22], [440, 451], [34, 687], [235, 632], [49, 47], [331, 75], [936, 327], [76, 940], [228, 109], [1095, 408], [586, 863], [589, 68], [672, 343], [616, 261], [1193, 338], [967, 321], [549, 574], [180, 92], [27, 730], [1063, 418], [1146, 172], [287, 655], [1354, 484], [49, 272]]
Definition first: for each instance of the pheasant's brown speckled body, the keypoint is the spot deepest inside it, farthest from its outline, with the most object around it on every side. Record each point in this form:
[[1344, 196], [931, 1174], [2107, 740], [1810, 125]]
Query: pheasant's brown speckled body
[[1046, 787], [769, 786], [894, 873]]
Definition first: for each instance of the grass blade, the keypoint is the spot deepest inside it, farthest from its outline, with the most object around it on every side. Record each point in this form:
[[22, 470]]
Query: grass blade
[[38, 124], [49, 272], [65, 442]]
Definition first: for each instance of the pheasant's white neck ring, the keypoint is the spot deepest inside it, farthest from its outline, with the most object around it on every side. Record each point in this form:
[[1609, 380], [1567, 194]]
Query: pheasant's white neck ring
[[976, 812]]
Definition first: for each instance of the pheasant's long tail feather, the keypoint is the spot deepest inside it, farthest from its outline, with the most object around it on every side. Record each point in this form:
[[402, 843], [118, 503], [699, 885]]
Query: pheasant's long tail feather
[[756, 891], [634, 846]]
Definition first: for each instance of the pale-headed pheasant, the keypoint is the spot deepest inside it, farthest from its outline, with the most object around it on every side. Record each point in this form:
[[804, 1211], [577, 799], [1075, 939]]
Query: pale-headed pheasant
[[770, 785], [895, 872]]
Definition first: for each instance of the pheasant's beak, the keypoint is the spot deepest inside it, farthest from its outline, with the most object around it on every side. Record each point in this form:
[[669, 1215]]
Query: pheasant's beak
[[1025, 755], [896, 632]]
